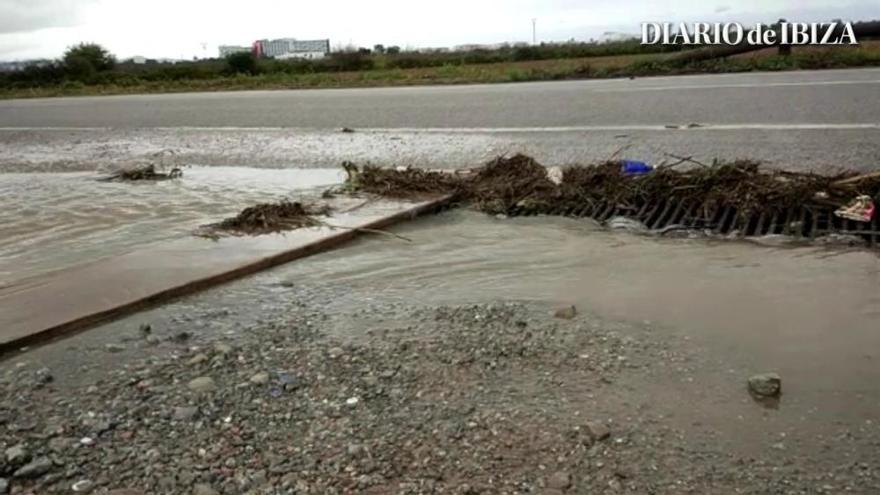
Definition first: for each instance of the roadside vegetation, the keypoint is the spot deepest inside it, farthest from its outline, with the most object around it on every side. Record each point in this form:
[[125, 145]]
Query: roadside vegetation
[[89, 69]]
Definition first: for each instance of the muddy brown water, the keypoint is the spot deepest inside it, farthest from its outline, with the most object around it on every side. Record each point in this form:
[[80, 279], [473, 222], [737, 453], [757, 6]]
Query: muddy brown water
[[49, 221], [810, 314]]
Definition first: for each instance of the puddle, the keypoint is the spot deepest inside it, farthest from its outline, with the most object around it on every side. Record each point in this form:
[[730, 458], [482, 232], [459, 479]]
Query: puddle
[[809, 314], [51, 221]]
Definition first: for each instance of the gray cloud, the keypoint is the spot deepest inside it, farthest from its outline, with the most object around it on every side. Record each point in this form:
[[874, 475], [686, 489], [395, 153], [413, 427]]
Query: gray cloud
[[30, 15], [721, 9]]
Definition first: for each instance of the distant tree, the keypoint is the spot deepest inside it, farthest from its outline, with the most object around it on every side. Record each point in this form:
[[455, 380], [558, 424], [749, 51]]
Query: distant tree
[[364, 51], [392, 50], [96, 55], [84, 61], [379, 48], [242, 63]]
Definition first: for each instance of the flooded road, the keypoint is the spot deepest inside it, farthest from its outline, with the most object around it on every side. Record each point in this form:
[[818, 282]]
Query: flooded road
[[53, 220], [808, 313]]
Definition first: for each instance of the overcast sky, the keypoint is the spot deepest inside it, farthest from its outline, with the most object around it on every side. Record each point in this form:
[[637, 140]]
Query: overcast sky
[[179, 28]]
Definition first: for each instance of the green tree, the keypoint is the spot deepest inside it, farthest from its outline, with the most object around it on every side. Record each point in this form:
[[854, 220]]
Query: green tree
[[379, 48], [242, 63], [87, 59], [393, 50]]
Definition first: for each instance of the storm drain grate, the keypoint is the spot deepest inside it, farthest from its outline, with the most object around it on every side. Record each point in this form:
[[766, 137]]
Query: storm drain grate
[[806, 222]]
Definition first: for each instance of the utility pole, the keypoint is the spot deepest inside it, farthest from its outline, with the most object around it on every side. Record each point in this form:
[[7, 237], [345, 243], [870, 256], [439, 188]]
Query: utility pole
[[534, 31]]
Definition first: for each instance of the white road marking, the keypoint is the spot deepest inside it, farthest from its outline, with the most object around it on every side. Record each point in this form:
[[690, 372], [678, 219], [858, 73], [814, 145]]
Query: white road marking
[[672, 127], [734, 86]]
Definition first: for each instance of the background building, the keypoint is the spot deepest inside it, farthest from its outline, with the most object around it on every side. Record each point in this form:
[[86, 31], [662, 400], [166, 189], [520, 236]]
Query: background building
[[227, 50], [285, 48]]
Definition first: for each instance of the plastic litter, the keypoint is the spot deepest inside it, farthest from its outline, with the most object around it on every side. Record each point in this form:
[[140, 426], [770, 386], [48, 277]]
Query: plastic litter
[[860, 209], [635, 167], [628, 224], [554, 175]]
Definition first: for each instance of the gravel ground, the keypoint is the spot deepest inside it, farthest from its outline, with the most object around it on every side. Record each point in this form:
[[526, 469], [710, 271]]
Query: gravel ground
[[490, 398]]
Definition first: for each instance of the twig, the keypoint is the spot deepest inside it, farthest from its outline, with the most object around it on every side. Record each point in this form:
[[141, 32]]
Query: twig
[[686, 159], [856, 179], [614, 155], [364, 229]]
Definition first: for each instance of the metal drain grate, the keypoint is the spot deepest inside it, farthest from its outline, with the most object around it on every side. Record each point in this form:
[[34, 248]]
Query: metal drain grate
[[807, 222]]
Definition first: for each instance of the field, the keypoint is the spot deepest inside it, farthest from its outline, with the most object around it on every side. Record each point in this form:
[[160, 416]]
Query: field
[[644, 64]]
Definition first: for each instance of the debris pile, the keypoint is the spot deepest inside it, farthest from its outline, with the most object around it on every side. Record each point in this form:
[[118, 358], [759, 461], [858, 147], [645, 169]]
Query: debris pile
[[145, 172], [266, 218], [520, 185]]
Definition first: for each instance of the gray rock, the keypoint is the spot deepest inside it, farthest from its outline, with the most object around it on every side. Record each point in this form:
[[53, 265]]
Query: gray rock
[[114, 347], [44, 376], [335, 352], [197, 359], [202, 384], [566, 313], [35, 468], [203, 489], [60, 444], [4, 486], [599, 431], [185, 413], [223, 349], [153, 340], [145, 329], [83, 486], [181, 336], [766, 384], [260, 378], [17, 455], [560, 480]]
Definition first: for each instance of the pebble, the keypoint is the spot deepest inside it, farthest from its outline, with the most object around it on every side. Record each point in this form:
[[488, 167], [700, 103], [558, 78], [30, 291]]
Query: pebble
[[352, 401], [203, 489], [202, 384], [260, 378], [223, 349], [566, 313], [766, 384], [560, 480], [184, 413], [87, 441], [35, 468], [599, 431], [83, 486], [335, 352], [197, 359], [17, 455], [114, 347]]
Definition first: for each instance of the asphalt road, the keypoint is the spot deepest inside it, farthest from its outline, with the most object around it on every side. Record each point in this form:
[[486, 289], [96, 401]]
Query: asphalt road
[[803, 119], [842, 97]]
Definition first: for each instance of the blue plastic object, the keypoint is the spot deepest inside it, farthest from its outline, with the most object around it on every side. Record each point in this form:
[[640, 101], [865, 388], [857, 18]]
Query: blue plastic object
[[635, 167]]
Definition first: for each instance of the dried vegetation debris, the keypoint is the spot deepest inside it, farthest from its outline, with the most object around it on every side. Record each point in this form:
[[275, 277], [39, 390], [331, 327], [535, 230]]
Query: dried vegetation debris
[[143, 172], [266, 218], [519, 181]]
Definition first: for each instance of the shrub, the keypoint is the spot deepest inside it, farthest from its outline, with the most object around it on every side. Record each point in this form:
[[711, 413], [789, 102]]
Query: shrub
[[241, 63]]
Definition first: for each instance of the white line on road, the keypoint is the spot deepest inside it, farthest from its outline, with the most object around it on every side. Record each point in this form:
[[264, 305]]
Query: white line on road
[[734, 86], [475, 130]]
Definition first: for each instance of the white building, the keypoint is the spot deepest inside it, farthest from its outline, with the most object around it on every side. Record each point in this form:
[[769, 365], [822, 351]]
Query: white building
[[286, 48], [227, 50]]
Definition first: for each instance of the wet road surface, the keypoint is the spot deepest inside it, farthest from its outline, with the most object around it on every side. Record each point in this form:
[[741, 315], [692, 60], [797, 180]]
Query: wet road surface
[[805, 120]]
